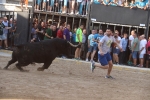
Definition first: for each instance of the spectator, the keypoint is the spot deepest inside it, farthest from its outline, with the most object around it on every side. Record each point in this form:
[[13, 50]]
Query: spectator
[[78, 6], [65, 6], [74, 36], [120, 2], [66, 33], [106, 2], [126, 3], [124, 42], [142, 50], [116, 50], [44, 5], [34, 33], [98, 37], [132, 4], [90, 45], [14, 29], [48, 34], [97, 1], [135, 49], [148, 53], [5, 32], [60, 32], [72, 6], [2, 26], [87, 5], [113, 3], [54, 31], [26, 4], [78, 41], [83, 42], [142, 4], [41, 31], [38, 2], [131, 38]]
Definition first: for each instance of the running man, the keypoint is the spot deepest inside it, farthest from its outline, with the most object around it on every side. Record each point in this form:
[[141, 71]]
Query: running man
[[104, 55]]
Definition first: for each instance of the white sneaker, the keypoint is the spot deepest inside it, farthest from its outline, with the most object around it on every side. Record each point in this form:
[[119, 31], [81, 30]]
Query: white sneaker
[[77, 13], [71, 13], [87, 60], [63, 12]]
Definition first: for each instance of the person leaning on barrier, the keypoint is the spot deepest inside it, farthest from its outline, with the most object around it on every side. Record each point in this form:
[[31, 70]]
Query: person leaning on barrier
[[142, 4], [83, 42], [132, 4], [148, 53], [48, 34]]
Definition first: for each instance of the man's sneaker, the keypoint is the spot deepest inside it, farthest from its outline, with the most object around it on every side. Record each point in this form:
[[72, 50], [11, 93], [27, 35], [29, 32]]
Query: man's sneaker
[[92, 66], [87, 60], [109, 77], [71, 13], [77, 13]]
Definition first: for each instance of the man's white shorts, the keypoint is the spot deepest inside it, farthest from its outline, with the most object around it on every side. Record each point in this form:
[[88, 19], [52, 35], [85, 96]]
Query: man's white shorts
[[3, 37], [141, 56]]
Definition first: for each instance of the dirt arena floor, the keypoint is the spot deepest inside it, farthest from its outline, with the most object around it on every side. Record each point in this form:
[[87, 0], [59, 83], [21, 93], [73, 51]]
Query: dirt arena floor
[[72, 80]]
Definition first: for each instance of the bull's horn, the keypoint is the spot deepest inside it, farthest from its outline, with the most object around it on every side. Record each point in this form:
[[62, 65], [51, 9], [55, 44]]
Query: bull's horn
[[73, 44]]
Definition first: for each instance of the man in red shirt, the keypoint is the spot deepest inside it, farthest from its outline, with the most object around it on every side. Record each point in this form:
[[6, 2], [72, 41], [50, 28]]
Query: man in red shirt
[[60, 32], [148, 53]]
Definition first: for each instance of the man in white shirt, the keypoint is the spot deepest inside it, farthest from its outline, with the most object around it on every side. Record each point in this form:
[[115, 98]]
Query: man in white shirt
[[142, 49], [116, 50], [131, 38]]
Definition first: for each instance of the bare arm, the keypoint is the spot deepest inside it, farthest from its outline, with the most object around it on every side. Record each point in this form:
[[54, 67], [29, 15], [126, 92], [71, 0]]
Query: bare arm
[[47, 35], [64, 37]]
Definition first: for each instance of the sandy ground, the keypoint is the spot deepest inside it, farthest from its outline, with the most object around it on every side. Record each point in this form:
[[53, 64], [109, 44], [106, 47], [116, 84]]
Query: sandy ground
[[72, 80]]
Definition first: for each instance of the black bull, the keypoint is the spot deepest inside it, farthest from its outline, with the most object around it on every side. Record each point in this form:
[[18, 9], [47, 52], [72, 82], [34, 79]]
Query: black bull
[[40, 52]]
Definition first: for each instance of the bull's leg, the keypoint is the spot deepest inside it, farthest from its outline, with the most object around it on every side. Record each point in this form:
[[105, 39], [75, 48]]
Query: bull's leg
[[19, 66], [13, 60], [45, 66]]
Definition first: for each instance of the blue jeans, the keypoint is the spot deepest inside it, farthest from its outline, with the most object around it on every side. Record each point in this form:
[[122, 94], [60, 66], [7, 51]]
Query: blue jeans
[[134, 54], [104, 59]]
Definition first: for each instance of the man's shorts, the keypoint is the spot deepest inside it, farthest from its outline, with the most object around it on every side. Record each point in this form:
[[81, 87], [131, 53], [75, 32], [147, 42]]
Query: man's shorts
[[76, 43], [134, 54], [147, 56], [92, 48], [104, 59], [116, 51], [3, 37], [141, 56], [38, 2], [82, 47]]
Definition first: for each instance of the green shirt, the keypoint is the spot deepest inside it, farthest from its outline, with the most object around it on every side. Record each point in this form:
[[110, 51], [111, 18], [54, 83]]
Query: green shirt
[[1, 28], [49, 32], [136, 40], [79, 32]]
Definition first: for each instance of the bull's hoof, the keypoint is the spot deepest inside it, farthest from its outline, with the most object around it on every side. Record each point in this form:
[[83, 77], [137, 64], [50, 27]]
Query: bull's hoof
[[40, 69]]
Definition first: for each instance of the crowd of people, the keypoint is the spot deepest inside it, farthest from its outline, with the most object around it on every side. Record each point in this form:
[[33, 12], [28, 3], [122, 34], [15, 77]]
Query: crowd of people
[[137, 44], [142, 4], [7, 31], [80, 7]]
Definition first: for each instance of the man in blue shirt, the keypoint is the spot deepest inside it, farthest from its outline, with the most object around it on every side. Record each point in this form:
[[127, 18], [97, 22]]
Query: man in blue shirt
[[124, 42], [91, 47], [142, 4]]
